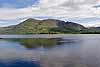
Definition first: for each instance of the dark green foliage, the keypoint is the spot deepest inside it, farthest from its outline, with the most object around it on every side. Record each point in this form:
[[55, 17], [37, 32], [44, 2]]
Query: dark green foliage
[[32, 26], [38, 42], [91, 30]]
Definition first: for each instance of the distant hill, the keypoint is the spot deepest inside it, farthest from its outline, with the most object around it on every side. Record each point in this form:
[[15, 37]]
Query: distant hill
[[33, 26], [91, 30]]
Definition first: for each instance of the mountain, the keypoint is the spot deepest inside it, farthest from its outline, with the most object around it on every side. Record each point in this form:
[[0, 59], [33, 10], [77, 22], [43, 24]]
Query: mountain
[[33, 26], [91, 30]]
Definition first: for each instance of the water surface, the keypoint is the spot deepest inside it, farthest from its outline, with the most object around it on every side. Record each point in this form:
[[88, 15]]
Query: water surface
[[57, 51]]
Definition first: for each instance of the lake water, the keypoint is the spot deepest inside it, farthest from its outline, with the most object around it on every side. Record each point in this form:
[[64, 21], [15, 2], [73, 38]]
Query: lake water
[[50, 50]]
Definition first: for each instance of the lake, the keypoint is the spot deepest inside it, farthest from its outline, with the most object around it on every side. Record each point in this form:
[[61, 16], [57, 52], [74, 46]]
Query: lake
[[58, 50]]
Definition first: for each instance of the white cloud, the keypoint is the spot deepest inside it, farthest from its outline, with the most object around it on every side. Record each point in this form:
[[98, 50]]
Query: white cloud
[[12, 13], [69, 8], [91, 24], [55, 9]]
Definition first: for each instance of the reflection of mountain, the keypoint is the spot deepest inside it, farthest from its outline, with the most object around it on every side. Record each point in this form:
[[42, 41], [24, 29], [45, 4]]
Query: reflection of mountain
[[38, 42], [32, 26]]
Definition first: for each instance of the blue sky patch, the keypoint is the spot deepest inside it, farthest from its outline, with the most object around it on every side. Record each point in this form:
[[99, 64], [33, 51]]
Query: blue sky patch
[[17, 3]]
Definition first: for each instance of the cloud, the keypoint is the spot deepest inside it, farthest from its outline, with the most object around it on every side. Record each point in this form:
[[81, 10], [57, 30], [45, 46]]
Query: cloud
[[69, 8], [59, 9], [13, 13], [55, 8]]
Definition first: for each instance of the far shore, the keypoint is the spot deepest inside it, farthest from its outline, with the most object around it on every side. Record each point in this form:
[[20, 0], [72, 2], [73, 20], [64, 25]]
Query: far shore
[[42, 35]]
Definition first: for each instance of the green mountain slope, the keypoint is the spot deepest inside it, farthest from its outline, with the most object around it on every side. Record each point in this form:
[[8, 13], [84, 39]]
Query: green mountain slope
[[33, 26], [91, 30]]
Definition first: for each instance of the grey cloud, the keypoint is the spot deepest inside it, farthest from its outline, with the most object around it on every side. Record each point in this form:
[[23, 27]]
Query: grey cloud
[[77, 4]]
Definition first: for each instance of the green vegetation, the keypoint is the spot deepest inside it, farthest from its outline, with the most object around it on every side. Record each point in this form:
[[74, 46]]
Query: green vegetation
[[37, 42], [49, 26], [91, 30]]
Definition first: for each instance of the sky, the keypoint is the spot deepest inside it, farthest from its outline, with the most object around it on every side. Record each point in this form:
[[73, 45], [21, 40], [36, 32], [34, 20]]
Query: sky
[[85, 12]]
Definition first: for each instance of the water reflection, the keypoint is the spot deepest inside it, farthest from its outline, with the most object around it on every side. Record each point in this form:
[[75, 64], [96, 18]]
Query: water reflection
[[74, 51], [39, 42], [20, 63]]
